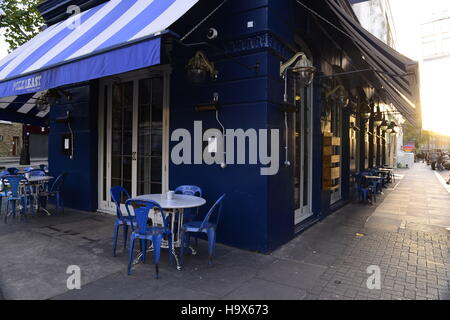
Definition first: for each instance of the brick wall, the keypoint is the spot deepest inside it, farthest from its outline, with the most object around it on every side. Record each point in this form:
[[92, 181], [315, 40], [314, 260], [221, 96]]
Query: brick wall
[[7, 134]]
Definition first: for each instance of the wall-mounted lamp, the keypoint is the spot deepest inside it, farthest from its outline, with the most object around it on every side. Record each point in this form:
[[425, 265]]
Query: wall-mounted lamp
[[378, 117], [384, 125], [392, 128], [301, 67], [199, 67], [365, 110], [51, 97]]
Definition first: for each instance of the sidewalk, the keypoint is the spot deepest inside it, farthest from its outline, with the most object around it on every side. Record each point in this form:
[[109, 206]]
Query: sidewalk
[[404, 234]]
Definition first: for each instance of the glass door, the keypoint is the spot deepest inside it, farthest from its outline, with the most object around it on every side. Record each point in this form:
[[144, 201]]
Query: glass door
[[302, 156], [133, 123]]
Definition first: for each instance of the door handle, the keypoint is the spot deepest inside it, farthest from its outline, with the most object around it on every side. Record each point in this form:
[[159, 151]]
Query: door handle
[[134, 156]]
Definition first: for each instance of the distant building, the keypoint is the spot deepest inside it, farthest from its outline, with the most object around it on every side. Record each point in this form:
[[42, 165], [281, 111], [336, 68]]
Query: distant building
[[376, 17], [435, 35], [10, 139], [435, 67]]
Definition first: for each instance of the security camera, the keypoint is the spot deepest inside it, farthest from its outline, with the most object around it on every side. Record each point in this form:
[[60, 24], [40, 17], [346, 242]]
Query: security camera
[[212, 34]]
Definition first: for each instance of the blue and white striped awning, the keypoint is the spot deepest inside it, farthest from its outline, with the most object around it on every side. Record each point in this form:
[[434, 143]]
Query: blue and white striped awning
[[115, 37]]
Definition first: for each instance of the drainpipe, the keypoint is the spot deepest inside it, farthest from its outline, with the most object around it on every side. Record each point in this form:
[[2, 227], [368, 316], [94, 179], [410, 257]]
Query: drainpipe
[[25, 152]]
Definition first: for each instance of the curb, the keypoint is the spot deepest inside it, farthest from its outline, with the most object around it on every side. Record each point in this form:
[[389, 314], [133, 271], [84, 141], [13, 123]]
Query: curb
[[442, 181]]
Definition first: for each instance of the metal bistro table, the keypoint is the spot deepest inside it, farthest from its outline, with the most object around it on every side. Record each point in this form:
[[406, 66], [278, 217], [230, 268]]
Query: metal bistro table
[[389, 173], [39, 182], [173, 207]]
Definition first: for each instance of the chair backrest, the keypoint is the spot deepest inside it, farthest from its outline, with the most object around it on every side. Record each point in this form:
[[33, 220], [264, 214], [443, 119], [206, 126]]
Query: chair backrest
[[116, 196], [13, 171], [360, 180], [4, 173], [36, 173], [141, 211], [14, 183], [214, 213], [189, 190], [58, 182]]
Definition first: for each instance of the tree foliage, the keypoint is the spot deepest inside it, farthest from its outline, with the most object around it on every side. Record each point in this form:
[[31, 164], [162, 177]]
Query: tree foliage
[[19, 21]]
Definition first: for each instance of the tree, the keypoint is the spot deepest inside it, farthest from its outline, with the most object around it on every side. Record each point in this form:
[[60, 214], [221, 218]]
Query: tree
[[20, 21]]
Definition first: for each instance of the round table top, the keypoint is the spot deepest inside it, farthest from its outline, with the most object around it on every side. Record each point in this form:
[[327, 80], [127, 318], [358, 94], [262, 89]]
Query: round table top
[[40, 179], [372, 177], [180, 201]]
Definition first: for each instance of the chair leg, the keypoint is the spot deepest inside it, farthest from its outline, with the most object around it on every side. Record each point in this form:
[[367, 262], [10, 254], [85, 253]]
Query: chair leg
[[157, 247], [130, 258], [211, 239], [24, 208], [57, 203], [125, 235], [116, 233], [183, 245], [13, 209], [6, 211], [170, 249], [144, 249]]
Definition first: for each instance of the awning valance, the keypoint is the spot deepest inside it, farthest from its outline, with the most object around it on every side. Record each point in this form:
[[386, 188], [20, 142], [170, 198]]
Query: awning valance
[[398, 74], [115, 37]]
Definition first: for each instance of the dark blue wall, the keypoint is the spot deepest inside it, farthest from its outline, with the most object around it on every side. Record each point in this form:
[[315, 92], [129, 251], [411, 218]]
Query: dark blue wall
[[258, 212], [244, 100], [80, 186]]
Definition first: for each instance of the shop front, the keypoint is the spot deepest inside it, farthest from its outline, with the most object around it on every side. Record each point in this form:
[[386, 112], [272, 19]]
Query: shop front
[[131, 93]]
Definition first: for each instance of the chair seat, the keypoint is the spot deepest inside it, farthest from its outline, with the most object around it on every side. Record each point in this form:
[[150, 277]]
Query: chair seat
[[152, 231], [21, 197], [194, 226], [126, 220]]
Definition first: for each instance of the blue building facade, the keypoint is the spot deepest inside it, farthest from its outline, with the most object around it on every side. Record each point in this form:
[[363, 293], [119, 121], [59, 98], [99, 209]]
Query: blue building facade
[[255, 37]]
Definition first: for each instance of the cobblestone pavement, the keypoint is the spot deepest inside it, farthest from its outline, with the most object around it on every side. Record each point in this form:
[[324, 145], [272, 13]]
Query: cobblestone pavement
[[404, 234], [406, 237]]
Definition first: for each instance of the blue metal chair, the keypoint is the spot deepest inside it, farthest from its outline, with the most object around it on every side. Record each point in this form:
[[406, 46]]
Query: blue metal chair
[[3, 191], [13, 171], [28, 169], [189, 190], [208, 226], [14, 194], [125, 221], [36, 173], [363, 189], [377, 185], [190, 214], [55, 192], [144, 232]]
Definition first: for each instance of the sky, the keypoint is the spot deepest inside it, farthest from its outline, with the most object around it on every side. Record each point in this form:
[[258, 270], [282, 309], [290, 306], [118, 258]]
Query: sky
[[409, 16]]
